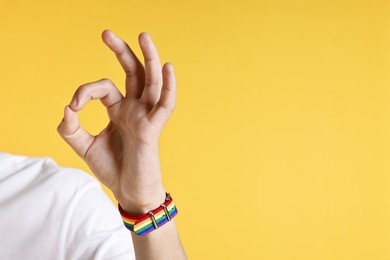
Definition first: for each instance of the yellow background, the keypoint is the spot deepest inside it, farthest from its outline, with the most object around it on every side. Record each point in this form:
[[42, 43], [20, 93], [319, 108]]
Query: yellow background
[[279, 146]]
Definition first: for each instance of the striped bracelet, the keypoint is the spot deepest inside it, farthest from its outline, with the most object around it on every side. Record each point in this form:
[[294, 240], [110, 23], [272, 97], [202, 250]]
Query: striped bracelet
[[144, 224]]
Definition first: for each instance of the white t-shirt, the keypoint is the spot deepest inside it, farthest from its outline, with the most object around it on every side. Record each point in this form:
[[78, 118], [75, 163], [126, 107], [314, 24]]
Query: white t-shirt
[[50, 212]]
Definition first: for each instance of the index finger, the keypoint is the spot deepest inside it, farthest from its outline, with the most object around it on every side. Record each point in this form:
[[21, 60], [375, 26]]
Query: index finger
[[135, 74]]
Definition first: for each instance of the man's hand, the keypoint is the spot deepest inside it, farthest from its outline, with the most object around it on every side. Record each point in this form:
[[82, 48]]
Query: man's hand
[[124, 155]]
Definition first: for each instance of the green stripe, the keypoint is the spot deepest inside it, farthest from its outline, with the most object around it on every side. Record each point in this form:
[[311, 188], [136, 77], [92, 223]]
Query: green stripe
[[151, 223]]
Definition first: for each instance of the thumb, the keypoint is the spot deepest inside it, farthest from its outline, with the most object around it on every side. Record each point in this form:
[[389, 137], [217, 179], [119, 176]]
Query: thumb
[[72, 132]]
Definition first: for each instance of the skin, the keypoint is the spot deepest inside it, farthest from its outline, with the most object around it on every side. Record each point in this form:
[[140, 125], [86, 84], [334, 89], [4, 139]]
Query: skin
[[124, 156]]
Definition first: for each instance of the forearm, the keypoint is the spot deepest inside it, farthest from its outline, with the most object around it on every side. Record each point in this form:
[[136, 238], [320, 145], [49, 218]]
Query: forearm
[[140, 189], [163, 243]]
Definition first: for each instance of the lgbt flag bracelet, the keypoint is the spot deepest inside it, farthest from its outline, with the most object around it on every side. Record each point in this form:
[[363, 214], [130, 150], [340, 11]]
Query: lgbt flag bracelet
[[144, 224]]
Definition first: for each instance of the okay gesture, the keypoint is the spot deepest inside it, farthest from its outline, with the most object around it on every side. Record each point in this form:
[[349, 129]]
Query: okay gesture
[[124, 155]]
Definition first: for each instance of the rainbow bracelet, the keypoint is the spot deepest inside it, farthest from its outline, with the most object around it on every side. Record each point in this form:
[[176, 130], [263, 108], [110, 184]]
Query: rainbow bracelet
[[144, 224]]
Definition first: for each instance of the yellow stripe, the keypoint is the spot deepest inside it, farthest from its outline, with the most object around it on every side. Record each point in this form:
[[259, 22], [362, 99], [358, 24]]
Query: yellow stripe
[[148, 220], [157, 216], [129, 221]]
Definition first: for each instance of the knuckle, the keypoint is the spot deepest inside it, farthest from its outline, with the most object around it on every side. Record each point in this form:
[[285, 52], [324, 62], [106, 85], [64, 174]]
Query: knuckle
[[106, 81], [170, 107], [82, 89], [59, 129], [152, 82], [132, 73]]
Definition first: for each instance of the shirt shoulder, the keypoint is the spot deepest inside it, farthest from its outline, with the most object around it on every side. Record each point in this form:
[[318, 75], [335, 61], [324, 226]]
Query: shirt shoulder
[[29, 172], [72, 217]]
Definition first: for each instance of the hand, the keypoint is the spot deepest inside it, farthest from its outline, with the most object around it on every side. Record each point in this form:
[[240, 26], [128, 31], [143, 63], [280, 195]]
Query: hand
[[124, 155]]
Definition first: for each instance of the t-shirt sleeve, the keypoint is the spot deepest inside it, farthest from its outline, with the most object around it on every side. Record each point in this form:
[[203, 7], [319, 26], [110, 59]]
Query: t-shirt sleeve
[[94, 227]]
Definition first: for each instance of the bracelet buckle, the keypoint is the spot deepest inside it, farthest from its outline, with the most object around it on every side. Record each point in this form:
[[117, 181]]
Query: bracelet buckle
[[143, 224]]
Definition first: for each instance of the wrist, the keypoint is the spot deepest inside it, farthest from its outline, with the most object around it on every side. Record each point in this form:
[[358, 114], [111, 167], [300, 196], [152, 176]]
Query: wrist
[[149, 143], [143, 202], [145, 223]]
